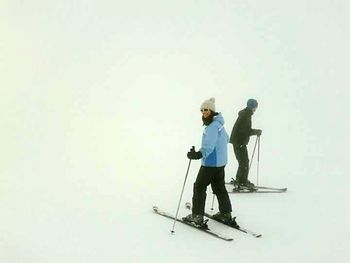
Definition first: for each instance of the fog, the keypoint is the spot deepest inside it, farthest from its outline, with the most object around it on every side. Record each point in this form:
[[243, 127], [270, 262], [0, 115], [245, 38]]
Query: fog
[[100, 104]]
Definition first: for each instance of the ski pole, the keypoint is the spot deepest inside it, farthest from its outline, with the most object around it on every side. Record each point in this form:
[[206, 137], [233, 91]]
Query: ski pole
[[212, 203], [251, 159], [182, 191], [257, 176]]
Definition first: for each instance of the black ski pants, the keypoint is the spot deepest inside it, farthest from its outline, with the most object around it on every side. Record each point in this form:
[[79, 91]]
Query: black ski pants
[[241, 154], [216, 177]]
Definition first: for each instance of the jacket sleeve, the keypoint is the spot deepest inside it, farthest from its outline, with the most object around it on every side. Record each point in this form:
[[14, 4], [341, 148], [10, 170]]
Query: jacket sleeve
[[254, 131]]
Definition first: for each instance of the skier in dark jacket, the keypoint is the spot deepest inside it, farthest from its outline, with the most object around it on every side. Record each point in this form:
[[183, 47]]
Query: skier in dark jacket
[[213, 155], [240, 135]]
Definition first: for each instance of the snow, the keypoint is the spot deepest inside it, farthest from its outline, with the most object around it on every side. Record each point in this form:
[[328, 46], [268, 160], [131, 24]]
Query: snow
[[99, 103]]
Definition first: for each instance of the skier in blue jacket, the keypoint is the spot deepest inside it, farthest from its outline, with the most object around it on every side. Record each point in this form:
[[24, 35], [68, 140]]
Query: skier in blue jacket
[[213, 155]]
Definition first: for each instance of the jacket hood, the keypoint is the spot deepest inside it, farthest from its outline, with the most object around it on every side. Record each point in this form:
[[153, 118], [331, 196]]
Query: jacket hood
[[219, 119]]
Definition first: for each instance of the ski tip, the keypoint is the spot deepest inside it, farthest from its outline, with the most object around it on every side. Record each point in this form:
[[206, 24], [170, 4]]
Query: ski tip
[[155, 208]]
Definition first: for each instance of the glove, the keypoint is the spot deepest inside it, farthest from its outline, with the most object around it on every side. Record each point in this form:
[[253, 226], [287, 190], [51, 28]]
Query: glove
[[193, 155], [258, 132]]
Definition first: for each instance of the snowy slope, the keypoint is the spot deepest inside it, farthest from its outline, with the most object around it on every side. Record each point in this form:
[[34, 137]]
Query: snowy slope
[[100, 103]]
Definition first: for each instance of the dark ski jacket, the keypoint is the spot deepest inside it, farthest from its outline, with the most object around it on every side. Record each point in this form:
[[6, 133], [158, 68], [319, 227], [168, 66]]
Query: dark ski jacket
[[242, 129]]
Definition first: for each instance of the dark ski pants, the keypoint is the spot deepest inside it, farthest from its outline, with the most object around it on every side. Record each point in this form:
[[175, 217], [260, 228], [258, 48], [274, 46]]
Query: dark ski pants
[[241, 154], [216, 177]]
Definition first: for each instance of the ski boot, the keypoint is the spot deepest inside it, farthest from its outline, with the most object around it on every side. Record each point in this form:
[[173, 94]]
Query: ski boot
[[197, 220], [237, 185], [249, 185], [233, 223], [246, 187], [234, 182], [225, 218], [222, 217]]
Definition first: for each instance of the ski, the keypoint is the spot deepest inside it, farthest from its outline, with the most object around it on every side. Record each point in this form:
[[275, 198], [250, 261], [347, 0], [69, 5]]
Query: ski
[[204, 229], [255, 191], [239, 228], [265, 189], [272, 188]]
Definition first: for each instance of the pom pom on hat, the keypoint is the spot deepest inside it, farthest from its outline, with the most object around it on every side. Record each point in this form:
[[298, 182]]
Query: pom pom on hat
[[252, 103], [209, 104]]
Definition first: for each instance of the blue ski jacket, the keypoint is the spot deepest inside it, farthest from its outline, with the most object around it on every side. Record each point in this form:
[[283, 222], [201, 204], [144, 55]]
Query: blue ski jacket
[[214, 143]]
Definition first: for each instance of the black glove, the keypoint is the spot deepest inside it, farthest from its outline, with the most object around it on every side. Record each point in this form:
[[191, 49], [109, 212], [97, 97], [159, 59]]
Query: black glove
[[257, 132], [193, 155]]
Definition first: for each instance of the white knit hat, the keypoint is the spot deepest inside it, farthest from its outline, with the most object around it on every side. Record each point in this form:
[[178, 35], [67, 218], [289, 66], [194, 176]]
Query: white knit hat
[[209, 104]]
